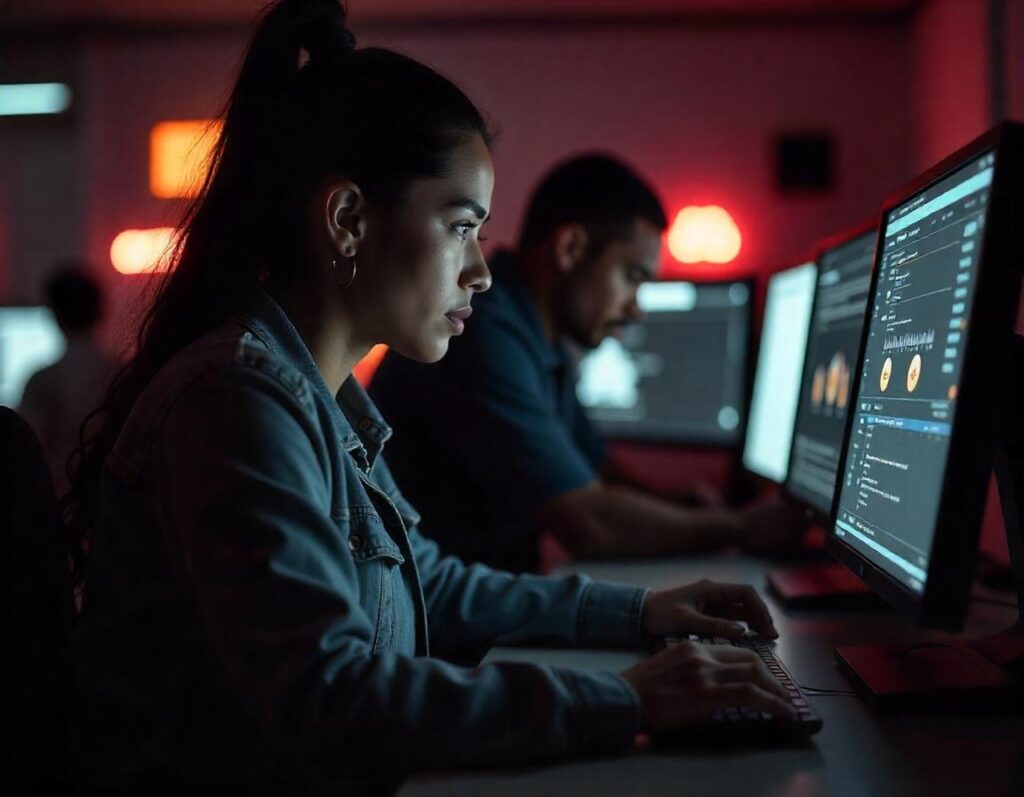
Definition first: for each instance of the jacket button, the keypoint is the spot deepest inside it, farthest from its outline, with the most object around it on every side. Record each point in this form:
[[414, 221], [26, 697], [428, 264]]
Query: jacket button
[[356, 543]]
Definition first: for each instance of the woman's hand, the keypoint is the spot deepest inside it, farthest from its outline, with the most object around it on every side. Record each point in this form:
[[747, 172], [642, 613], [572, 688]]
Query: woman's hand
[[706, 608], [689, 681]]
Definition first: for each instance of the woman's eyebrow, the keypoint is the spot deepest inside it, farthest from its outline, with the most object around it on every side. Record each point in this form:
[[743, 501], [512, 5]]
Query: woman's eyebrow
[[472, 206]]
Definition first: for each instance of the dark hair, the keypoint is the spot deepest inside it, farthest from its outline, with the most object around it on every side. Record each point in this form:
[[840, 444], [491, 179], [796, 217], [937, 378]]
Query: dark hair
[[595, 190], [307, 107], [74, 297]]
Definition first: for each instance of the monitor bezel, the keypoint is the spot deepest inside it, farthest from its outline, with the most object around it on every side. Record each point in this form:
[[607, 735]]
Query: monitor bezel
[[821, 248], [976, 423], [759, 477], [701, 442]]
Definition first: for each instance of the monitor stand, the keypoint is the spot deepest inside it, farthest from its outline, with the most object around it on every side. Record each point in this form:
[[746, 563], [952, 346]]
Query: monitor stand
[[821, 585], [985, 675]]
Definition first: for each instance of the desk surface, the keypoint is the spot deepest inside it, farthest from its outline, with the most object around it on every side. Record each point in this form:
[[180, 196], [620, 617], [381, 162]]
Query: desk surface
[[858, 752]]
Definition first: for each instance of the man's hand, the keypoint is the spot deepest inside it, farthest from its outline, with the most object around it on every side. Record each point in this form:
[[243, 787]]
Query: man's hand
[[706, 608], [771, 527], [702, 495]]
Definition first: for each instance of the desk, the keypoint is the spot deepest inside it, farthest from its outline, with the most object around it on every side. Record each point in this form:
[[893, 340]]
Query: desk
[[858, 752]]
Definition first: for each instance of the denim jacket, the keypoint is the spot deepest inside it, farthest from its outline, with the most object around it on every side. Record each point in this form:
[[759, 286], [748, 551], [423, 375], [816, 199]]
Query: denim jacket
[[262, 615]]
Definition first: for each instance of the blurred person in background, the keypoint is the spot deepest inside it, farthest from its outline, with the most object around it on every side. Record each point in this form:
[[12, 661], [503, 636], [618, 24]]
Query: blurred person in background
[[520, 457], [58, 398]]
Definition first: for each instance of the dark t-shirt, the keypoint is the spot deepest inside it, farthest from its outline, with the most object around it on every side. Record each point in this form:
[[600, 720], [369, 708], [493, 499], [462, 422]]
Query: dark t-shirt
[[485, 437]]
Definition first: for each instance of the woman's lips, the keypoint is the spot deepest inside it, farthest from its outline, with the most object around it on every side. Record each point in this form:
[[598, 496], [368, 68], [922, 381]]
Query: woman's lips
[[457, 318]]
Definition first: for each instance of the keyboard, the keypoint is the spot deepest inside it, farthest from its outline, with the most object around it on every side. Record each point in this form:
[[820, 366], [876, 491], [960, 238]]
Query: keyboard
[[741, 724]]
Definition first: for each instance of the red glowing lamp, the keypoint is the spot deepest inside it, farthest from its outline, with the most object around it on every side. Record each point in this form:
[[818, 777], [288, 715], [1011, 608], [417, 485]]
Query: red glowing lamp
[[704, 234]]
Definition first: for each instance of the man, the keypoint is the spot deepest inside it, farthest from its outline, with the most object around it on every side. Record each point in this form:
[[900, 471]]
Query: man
[[58, 398], [493, 447]]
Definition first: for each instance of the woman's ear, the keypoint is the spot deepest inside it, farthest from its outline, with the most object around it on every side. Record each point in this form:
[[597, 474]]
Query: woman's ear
[[345, 217]]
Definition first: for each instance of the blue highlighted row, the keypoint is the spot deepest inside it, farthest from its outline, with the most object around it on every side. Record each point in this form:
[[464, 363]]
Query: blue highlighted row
[[909, 424]]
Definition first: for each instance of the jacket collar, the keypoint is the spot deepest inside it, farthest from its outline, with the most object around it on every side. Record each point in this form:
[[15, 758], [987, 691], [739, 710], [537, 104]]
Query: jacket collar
[[361, 428]]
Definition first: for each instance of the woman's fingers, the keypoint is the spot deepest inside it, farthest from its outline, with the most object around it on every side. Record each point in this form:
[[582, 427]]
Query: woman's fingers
[[752, 695], [741, 602]]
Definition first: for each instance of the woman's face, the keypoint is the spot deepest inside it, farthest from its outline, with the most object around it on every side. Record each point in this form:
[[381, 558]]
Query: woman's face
[[420, 264]]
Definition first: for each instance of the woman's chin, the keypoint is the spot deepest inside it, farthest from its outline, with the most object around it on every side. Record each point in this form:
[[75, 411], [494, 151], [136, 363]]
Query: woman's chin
[[426, 351]]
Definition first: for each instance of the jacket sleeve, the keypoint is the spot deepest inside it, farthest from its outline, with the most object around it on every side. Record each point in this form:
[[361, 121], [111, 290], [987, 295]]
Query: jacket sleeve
[[472, 607], [239, 471], [469, 606]]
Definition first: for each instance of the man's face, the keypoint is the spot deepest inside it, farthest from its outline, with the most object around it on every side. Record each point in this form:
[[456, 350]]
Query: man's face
[[599, 295]]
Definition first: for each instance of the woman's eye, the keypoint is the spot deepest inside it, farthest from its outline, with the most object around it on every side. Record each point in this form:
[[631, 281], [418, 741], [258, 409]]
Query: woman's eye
[[462, 230]]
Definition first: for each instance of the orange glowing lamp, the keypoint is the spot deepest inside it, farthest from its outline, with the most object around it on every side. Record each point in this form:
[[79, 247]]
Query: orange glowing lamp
[[143, 251], [704, 234], [179, 156]]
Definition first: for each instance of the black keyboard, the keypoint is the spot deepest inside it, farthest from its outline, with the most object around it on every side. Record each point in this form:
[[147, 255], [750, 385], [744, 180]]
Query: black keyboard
[[741, 723]]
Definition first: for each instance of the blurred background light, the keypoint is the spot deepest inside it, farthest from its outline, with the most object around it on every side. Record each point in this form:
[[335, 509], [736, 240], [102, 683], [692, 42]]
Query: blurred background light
[[142, 251], [367, 366], [179, 156], [32, 99], [705, 234]]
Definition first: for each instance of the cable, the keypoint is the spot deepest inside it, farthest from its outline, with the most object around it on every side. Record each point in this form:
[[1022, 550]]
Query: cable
[[836, 693], [821, 691]]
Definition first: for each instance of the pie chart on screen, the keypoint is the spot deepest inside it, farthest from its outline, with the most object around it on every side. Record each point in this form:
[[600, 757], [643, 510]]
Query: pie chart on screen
[[914, 373], [883, 381]]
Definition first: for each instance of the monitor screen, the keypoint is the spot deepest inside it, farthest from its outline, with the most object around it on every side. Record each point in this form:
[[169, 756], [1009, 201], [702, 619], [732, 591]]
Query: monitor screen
[[29, 340], [780, 364], [837, 322], [892, 483], [678, 375]]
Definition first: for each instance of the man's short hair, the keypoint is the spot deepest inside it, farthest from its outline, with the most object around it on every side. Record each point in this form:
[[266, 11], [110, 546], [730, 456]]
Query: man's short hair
[[596, 190], [74, 296]]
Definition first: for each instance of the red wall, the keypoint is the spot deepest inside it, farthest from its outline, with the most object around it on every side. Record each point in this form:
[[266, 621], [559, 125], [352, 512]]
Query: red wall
[[1014, 39], [951, 77]]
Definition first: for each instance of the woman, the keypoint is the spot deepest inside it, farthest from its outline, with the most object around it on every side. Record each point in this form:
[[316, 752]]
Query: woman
[[261, 614]]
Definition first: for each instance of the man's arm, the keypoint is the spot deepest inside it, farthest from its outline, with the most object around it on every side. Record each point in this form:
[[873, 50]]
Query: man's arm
[[600, 520]]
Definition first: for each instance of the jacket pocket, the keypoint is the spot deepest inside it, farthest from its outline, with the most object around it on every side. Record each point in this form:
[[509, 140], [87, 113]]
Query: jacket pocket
[[378, 562]]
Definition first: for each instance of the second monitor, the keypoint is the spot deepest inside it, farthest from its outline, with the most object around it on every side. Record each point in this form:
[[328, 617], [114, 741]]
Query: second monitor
[[844, 276]]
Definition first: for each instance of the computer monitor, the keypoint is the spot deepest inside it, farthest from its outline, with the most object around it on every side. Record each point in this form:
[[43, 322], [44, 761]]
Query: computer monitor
[[935, 382], [833, 343], [29, 341], [680, 374], [780, 363]]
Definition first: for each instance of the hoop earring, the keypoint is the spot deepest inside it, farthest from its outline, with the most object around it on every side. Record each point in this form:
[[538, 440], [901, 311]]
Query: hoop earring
[[352, 276]]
